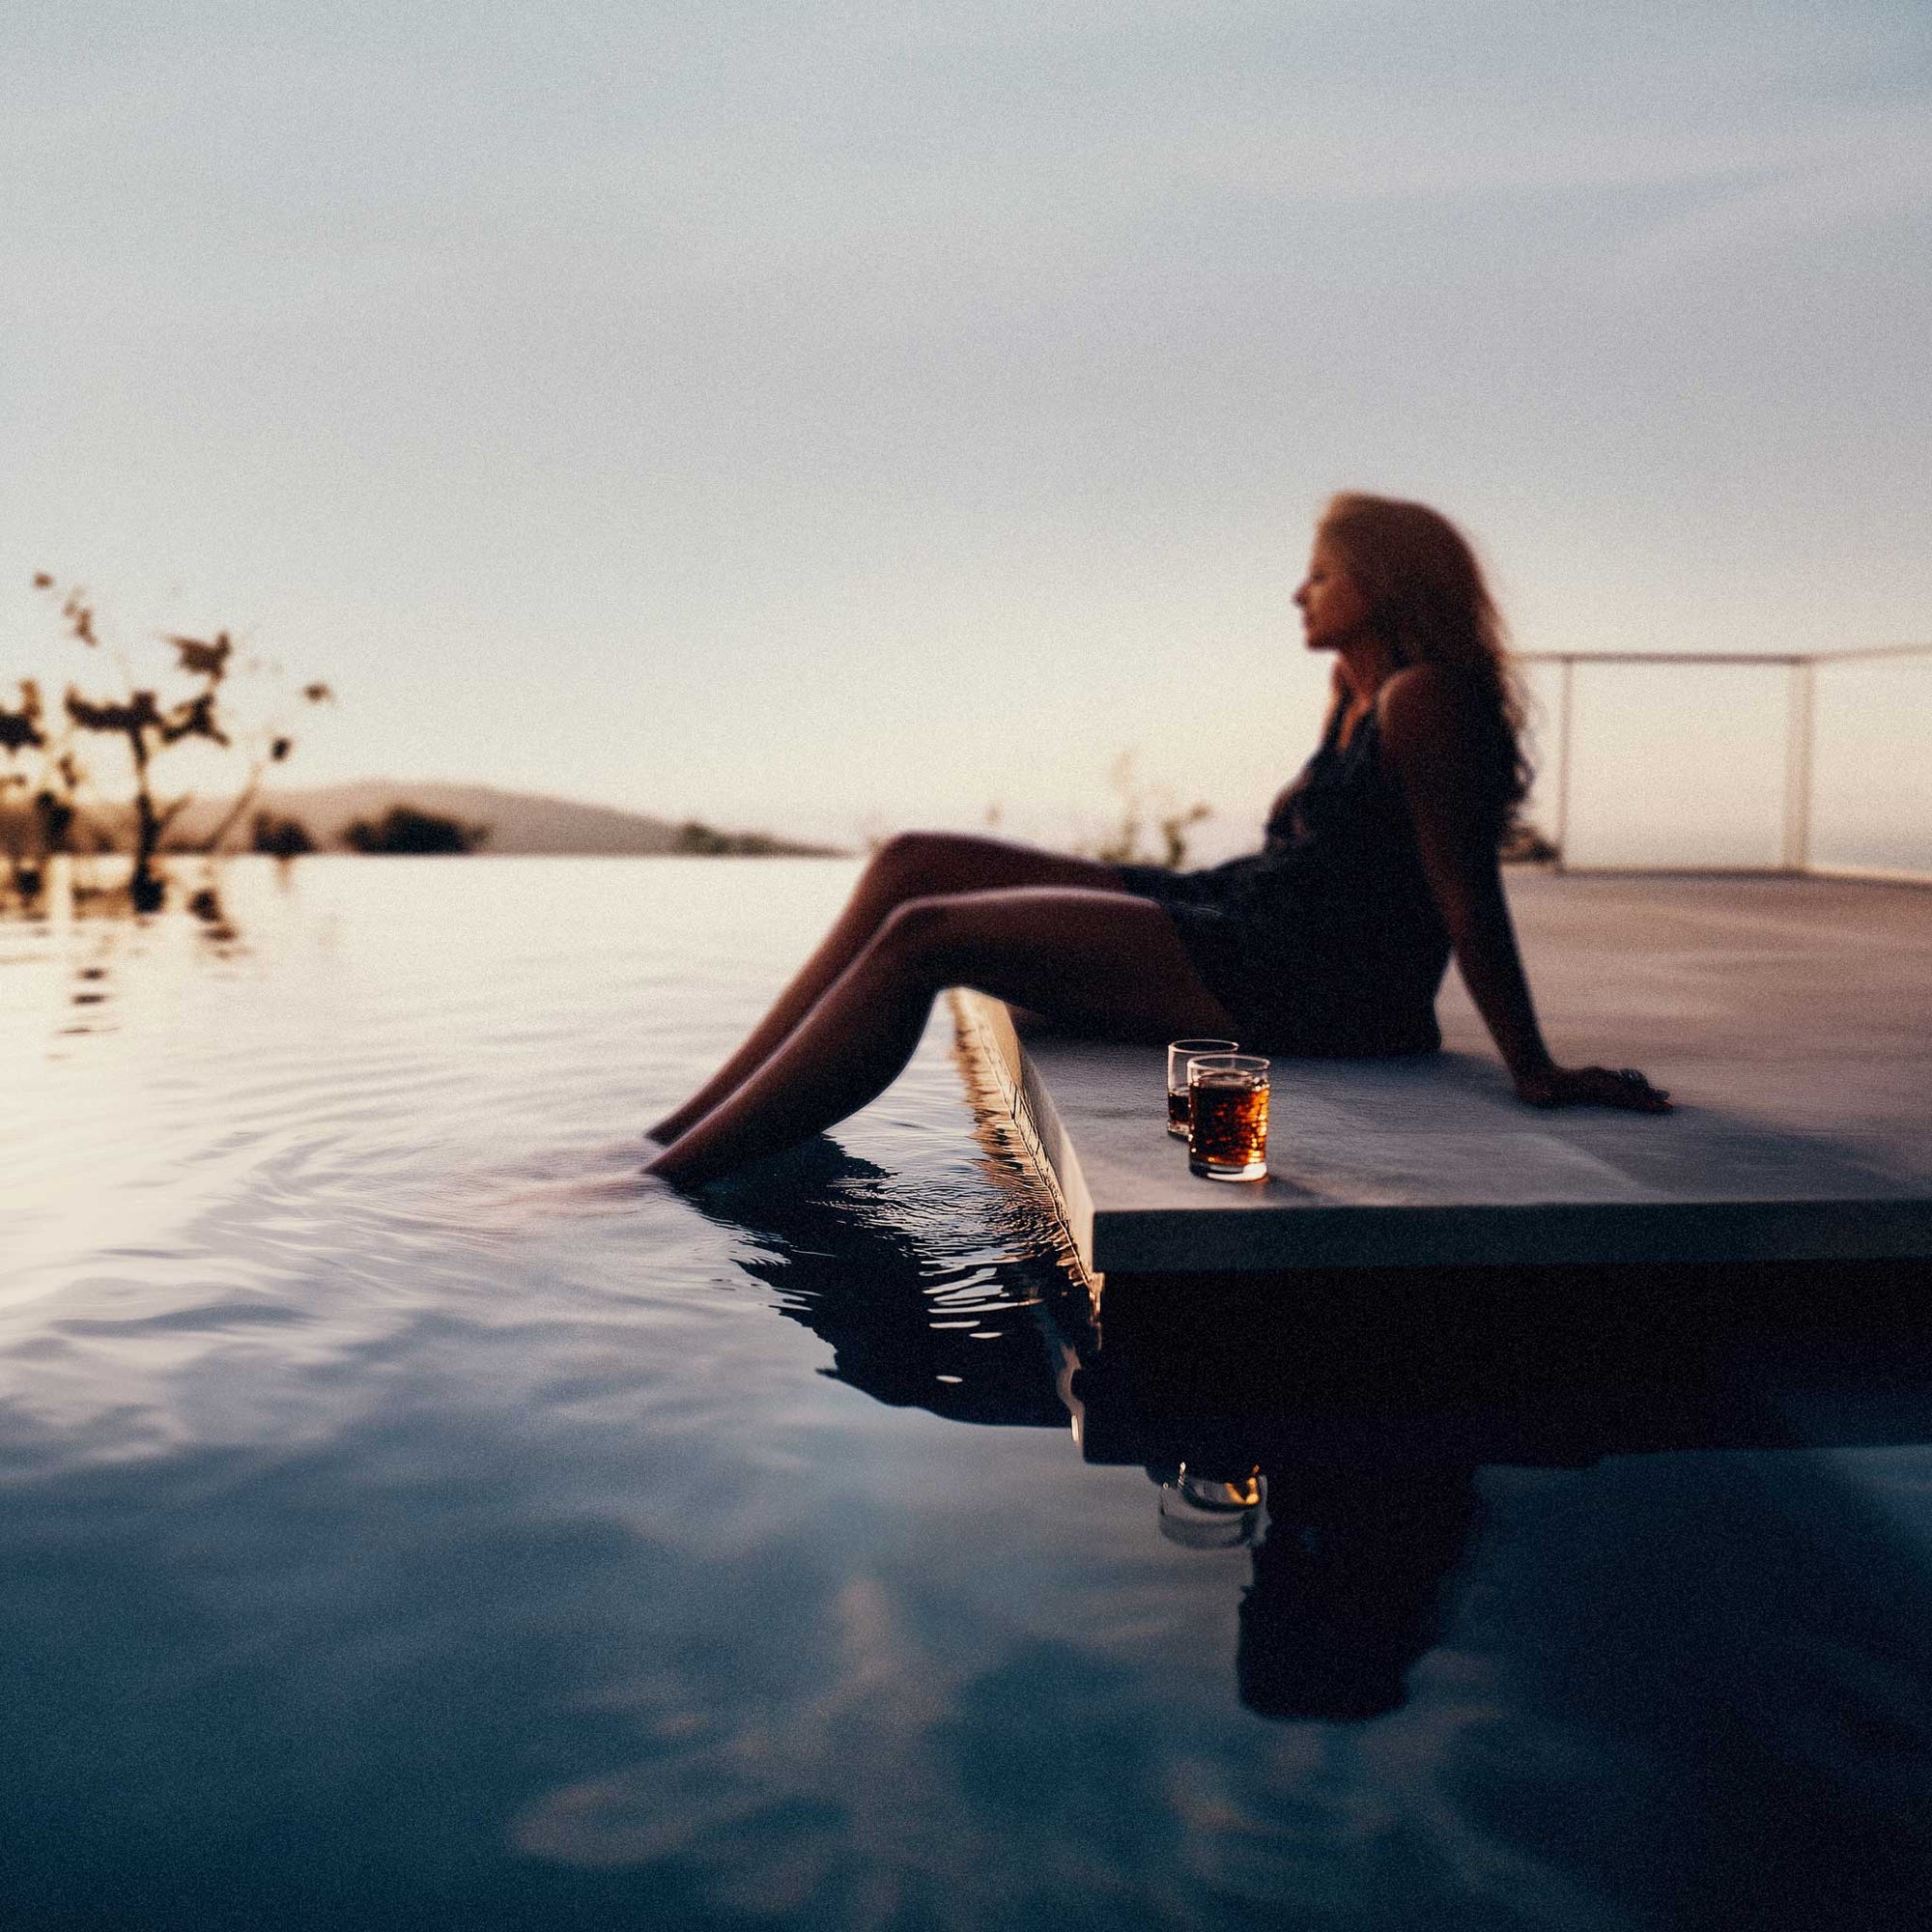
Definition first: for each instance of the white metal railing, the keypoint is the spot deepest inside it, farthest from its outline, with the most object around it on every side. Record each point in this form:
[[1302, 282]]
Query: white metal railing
[[1725, 767]]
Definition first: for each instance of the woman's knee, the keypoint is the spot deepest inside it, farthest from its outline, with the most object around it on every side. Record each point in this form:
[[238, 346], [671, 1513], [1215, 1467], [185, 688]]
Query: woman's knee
[[912, 864], [894, 861], [918, 934]]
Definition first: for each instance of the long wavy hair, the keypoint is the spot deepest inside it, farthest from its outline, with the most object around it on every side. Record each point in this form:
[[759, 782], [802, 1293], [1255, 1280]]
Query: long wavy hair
[[1428, 603]]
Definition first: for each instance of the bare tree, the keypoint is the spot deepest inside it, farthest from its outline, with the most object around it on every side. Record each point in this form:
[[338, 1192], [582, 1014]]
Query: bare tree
[[150, 726], [1122, 847]]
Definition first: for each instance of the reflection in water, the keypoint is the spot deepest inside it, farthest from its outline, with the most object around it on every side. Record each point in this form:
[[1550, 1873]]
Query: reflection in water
[[1347, 1572], [1362, 1404], [95, 931], [971, 1343], [1212, 1512], [1348, 1585], [1350, 1562], [1337, 1428]]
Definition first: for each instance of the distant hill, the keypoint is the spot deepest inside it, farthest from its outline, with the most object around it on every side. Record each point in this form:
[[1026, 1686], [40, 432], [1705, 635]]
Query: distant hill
[[520, 823]]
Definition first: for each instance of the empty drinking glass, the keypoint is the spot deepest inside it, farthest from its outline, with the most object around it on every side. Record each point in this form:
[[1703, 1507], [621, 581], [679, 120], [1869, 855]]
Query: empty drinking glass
[[1178, 1053]]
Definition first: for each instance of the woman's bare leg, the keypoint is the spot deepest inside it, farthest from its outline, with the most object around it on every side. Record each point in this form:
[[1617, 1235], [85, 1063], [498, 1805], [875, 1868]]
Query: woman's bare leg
[[1089, 958], [914, 864]]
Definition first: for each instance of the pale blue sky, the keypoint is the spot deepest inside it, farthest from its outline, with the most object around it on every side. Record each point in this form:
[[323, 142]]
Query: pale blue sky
[[833, 415]]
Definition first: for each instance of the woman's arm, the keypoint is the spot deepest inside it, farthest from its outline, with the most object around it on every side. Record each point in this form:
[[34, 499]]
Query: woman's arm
[[1436, 739]]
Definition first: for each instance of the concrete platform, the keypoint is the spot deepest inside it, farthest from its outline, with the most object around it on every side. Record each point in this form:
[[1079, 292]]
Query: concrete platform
[[1790, 1018]]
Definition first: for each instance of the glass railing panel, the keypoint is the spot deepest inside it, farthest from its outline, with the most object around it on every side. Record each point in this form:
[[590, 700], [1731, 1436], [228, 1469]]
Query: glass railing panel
[[1871, 763], [1678, 765]]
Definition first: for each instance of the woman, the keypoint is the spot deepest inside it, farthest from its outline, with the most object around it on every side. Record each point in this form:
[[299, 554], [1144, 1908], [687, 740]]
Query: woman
[[1380, 860]]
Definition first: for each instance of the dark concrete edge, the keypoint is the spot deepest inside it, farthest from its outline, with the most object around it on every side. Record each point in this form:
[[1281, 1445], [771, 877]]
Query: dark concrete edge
[[1584, 1233]]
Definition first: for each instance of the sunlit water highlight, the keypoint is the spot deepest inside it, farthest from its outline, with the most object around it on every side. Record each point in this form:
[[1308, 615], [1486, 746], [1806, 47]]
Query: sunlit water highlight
[[411, 1520]]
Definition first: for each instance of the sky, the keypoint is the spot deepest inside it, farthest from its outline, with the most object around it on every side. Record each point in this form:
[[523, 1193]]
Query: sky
[[838, 418]]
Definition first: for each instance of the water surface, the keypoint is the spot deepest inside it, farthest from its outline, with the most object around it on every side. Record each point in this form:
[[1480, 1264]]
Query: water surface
[[407, 1518]]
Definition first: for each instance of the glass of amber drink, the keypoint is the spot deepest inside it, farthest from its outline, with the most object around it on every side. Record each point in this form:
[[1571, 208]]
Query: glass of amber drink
[[1228, 1115], [1178, 1053]]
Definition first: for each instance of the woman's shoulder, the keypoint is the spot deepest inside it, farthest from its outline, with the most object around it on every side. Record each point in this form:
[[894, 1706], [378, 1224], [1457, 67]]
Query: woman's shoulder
[[1433, 688], [1435, 710], [1436, 699]]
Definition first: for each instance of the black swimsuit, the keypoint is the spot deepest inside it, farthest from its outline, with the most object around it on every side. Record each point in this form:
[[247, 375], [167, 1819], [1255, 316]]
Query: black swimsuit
[[1327, 940]]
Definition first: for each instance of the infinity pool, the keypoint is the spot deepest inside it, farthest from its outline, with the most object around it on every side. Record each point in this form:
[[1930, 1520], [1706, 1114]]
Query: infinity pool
[[409, 1518]]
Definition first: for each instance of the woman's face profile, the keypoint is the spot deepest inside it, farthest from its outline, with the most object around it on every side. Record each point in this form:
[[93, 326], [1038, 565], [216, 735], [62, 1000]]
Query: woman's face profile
[[1333, 607]]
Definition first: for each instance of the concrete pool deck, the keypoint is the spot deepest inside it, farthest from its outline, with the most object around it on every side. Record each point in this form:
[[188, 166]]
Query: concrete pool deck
[[1790, 1017]]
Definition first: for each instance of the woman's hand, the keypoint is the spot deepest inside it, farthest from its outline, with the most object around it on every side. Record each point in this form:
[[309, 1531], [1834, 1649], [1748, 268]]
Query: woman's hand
[[1592, 1085]]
